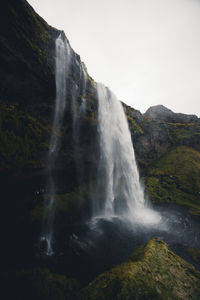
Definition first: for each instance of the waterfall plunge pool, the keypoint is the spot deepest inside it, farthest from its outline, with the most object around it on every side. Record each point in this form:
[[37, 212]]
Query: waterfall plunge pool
[[94, 247]]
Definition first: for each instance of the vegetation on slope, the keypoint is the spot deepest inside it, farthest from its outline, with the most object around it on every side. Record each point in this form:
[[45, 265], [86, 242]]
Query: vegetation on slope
[[23, 139], [26, 56], [187, 133], [68, 208], [175, 178], [152, 272]]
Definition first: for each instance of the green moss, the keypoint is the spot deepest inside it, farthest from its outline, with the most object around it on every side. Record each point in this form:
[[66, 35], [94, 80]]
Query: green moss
[[152, 272], [68, 208], [31, 30], [133, 125], [22, 139], [179, 132], [175, 178], [137, 255]]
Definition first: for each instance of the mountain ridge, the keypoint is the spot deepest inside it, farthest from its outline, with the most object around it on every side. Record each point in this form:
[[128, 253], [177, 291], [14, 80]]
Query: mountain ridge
[[160, 112]]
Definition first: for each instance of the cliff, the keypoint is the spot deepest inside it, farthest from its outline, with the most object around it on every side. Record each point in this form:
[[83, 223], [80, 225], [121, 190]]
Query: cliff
[[167, 147], [27, 93]]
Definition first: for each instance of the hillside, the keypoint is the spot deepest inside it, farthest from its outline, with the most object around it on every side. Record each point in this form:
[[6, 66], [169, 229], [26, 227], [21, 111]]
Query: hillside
[[174, 178]]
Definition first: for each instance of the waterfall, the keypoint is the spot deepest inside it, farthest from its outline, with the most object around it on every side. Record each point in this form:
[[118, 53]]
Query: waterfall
[[62, 68], [122, 193], [78, 91], [83, 87], [63, 59], [78, 107]]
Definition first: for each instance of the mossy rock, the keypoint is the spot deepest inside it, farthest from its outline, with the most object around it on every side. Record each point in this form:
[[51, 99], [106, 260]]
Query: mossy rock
[[23, 139], [182, 132], [175, 177], [68, 209], [152, 272], [134, 126]]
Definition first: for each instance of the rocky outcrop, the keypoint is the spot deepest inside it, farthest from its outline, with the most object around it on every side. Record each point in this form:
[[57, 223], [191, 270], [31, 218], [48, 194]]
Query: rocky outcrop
[[26, 56], [160, 129], [27, 94], [162, 113], [152, 272]]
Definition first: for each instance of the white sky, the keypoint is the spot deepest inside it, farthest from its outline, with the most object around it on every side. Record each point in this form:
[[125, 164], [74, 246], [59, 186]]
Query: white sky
[[146, 51]]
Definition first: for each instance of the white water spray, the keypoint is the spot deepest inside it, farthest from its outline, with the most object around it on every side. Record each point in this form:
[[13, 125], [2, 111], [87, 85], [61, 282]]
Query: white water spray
[[76, 108], [63, 59], [63, 54], [119, 176], [84, 78]]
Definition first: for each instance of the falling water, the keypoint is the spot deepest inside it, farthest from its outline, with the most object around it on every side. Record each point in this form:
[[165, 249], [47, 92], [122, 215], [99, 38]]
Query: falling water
[[62, 68], [63, 58], [78, 91], [78, 107], [83, 87], [118, 173]]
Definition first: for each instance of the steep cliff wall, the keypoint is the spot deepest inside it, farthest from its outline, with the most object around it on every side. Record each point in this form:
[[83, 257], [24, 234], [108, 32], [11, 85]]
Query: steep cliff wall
[[27, 102], [167, 147], [27, 96]]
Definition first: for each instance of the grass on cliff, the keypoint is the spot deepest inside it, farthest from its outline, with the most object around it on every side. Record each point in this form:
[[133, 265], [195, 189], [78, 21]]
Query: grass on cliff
[[31, 31], [22, 139], [175, 178], [179, 132]]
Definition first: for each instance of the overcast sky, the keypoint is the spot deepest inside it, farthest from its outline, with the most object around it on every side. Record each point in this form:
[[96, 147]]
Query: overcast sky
[[146, 51]]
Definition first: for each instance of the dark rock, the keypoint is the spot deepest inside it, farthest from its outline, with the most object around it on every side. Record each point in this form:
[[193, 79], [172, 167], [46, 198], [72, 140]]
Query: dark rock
[[162, 113]]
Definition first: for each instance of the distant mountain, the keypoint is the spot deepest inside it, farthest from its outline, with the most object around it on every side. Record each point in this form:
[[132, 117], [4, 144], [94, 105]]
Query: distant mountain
[[162, 113]]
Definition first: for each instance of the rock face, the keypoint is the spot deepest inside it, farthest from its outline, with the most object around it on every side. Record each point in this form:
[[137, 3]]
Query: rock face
[[27, 88], [152, 272], [27, 103], [162, 113], [27, 92], [26, 56]]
